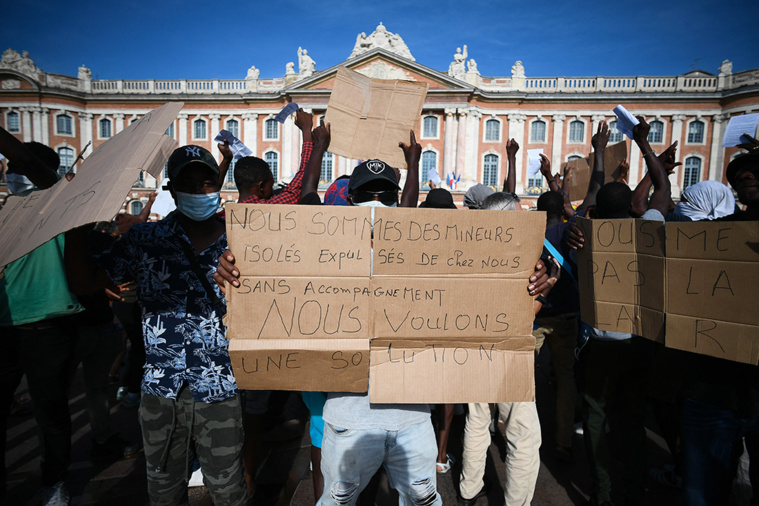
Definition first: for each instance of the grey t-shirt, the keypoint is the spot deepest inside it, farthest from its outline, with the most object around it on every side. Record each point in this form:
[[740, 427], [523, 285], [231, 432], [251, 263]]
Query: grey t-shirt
[[354, 411]]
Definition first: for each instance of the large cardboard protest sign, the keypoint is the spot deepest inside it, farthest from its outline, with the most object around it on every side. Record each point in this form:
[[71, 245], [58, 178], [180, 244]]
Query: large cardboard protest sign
[[309, 304], [614, 155], [369, 117], [97, 191], [712, 272], [620, 276]]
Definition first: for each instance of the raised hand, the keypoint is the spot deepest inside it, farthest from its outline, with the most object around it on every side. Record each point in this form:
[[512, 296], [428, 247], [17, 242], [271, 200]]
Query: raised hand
[[225, 150], [640, 131], [545, 166], [667, 158], [601, 137], [322, 135], [411, 151], [512, 147]]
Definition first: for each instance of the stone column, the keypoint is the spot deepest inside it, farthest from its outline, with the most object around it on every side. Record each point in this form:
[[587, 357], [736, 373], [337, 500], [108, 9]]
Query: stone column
[[250, 131], [295, 143], [558, 138], [85, 129], [461, 143], [516, 132], [449, 149], [635, 170], [118, 123], [596, 119], [472, 145], [182, 118], [26, 124], [717, 152], [677, 136], [214, 117], [45, 123], [36, 123], [285, 140]]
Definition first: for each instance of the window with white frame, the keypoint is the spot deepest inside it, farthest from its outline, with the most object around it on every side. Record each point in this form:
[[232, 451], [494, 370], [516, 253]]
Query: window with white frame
[[64, 125], [577, 131], [199, 129], [492, 130], [326, 173], [429, 127], [136, 207], [12, 123], [273, 160], [271, 130], [614, 134], [656, 134], [229, 180], [696, 132], [692, 171], [538, 131], [104, 128], [170, 130], [429, 161], [233, 127], [66, 156], [490, 170]]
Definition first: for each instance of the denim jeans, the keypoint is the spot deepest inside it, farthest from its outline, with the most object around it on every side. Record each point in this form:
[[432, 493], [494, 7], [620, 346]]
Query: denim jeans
[[708, 436], [351, 457]]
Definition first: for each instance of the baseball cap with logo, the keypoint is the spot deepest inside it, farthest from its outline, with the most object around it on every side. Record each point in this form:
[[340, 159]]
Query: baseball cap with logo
[[370, 171], [181, 157]]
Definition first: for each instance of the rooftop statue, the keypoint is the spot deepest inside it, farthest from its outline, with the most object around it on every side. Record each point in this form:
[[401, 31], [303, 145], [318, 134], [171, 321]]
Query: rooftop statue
[[383, 39]]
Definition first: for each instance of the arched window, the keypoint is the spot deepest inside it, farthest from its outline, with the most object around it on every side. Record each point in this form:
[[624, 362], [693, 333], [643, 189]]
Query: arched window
[[577, 131], [614, 134], [429, 127], [692, 171], [64, 125], [272, 159], [136, 207], [199, 129], [326, 174], [429, 161], [696, 132], [67, 159], [104, 126], [538, 131], [233, 127], [656, 134], [12, 122], [490, 170], [492, 130], [271, 130]]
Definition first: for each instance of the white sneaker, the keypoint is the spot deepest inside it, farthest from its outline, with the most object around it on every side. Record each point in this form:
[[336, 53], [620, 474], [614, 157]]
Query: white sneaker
[[196, 480], [57, 495]]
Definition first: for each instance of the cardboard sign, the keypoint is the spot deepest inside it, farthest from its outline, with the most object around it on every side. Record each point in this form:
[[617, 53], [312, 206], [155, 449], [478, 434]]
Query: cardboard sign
[[712, 269], [369, 117], [296, 302], [614, 154], [578, 183], [458, 371], [620, 276], [97, 191]]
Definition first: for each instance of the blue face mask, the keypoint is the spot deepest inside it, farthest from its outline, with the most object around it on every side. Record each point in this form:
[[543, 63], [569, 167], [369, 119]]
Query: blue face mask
[[198, 206]]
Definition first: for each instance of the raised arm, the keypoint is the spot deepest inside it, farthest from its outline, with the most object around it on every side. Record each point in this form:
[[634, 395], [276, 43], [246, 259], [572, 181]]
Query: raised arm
[[412, 152], [320, 136], [568, 209], [292, 192], [598, 176], [640, 195], [226, 161], [662, 189], [510, 182]]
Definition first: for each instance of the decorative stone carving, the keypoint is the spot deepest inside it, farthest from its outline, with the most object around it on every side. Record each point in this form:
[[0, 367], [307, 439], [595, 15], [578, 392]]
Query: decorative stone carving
[[11, 84], [253, 73], [558, 117], [249, 116], [517, 118], [457, 67], [19, 62], [381, 38], [306, 64], [472, 67], [86, 116], [720, 118], [517, 70], [726, 68], [382, 70], [84, 74], [214, 116], [290, 68], [678, 117], [597, 118]]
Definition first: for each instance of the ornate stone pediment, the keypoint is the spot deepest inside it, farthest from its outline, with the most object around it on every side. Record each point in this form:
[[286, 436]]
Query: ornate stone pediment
[[382, 70], [381, 38], [20, 63]]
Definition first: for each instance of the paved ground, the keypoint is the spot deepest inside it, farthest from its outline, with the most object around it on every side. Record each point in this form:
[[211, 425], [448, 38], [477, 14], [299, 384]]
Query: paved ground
[[284, 476]]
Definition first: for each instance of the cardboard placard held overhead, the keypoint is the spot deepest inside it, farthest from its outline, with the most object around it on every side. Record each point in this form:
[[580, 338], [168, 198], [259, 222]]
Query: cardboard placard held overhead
[[578, 183], [96, 193], [369, 117], [712, 269], [620, 276], [614, 154]]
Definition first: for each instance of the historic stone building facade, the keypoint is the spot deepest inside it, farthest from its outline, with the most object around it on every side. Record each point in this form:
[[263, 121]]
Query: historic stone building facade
[[466, 120]]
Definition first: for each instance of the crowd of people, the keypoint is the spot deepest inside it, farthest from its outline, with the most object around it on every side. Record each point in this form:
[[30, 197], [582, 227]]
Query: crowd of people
[[161, 285]]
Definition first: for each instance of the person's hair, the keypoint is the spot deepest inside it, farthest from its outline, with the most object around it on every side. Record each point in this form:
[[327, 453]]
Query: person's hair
[[249, 171], [47, 155], [500, 201], [613, 200], [551, 202]]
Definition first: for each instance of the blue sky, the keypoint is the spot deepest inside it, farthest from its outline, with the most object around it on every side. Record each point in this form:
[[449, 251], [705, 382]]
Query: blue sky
[[172, 39]]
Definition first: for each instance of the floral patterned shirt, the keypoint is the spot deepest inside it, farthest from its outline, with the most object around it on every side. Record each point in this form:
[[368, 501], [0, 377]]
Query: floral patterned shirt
[[183, 332]]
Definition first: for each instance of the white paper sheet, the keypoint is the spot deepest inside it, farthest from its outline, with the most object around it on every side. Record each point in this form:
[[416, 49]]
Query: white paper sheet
[[286, 111], [533, 161], [238, 148], [433, 176], [626, 121], [739, 125]]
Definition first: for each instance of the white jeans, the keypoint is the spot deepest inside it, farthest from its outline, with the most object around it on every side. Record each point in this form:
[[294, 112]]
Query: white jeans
[[350, 458], [522, 450]]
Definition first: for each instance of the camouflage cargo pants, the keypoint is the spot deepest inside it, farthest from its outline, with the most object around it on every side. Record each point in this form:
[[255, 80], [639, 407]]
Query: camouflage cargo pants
[[175, 432]]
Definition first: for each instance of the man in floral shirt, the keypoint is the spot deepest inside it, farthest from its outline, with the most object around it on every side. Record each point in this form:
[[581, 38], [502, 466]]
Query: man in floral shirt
[[190, 403]]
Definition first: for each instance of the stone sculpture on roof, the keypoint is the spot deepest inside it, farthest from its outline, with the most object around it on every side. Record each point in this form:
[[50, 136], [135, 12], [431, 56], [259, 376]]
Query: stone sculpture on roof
[[306, 64], [381, 38], [457, 68], [19, 62]]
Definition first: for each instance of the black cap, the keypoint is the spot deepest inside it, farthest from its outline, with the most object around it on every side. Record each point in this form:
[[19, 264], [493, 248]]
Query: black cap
[[372, 170], [186, 155], [439, 198], [742, 162]]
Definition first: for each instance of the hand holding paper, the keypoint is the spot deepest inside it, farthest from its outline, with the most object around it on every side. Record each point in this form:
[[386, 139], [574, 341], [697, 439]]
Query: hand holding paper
[[533, 161], [640, 131], [625, 121], [545, 166], [739, 129], [286, 111], [238, 149]]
